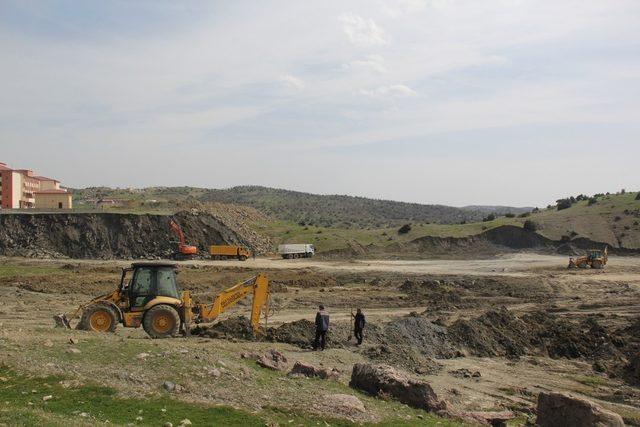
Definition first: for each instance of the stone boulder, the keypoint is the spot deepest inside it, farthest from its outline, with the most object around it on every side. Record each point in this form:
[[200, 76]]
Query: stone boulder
[[387, 382], [558, 409], [272, 359], [308, 370]]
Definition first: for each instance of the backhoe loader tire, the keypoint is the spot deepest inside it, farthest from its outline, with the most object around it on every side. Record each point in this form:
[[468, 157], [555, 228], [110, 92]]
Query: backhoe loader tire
[[98, 318], [242, 258], [161, 321], [596, 264], [583, 264]]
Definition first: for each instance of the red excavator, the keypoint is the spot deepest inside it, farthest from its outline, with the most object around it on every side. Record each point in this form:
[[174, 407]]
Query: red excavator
[[184, 251]]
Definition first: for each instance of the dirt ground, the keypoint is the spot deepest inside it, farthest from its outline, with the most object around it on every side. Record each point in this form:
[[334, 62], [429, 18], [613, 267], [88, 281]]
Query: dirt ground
[[523, 322]]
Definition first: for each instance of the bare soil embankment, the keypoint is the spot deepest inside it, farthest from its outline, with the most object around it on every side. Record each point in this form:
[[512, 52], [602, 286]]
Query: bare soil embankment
[[109, 235]]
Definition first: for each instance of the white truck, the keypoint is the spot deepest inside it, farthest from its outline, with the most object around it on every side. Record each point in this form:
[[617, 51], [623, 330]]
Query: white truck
[[296, 250]]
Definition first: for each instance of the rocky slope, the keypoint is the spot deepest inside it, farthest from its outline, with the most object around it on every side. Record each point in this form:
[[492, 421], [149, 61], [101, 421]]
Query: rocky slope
[[108, 235]]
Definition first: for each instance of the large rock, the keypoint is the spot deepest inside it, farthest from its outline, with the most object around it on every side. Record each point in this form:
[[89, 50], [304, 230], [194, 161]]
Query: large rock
[[308, 370], [562, 410], [385, 381], [272, 359]]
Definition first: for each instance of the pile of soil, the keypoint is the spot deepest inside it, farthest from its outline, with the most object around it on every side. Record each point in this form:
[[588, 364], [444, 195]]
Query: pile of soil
[[109, 235], [500, 333], [301, 333], [238, 327], [419, 333]]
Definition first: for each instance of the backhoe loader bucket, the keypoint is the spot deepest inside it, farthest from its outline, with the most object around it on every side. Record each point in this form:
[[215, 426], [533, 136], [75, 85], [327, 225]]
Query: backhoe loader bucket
[[62, 321]]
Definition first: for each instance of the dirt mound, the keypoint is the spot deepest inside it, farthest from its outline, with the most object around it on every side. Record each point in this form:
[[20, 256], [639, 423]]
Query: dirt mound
[[238, 327], [421, 334], [301, 333], [109, 235], [500, 333], [495, 333]]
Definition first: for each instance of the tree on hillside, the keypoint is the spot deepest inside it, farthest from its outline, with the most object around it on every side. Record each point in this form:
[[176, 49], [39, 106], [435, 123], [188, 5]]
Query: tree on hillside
[[638, 196], [564, 203], [489, 217], [404, 229], [530, 225]]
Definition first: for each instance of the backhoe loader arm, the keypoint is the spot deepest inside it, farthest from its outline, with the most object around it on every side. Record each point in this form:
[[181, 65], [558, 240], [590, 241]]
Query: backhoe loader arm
[[258, 285]]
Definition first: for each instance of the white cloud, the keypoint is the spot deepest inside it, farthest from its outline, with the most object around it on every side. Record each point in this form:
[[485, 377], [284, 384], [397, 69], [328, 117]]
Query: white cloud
[[398, 8], [291, 82], [374, 63], [362, 31], [391, 91]]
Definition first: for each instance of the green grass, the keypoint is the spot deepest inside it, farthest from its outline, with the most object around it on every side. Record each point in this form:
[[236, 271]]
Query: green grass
[[23, 395], [590, 380], [22, 404]]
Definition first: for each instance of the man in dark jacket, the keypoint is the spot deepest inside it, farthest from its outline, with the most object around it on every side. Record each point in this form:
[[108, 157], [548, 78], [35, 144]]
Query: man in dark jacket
[[358, 325], [322, 326]]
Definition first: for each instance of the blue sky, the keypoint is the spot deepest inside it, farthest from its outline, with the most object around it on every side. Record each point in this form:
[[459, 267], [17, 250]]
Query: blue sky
[[433, 101]]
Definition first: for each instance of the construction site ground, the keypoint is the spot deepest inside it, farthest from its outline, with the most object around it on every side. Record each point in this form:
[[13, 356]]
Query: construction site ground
[[489, 369]]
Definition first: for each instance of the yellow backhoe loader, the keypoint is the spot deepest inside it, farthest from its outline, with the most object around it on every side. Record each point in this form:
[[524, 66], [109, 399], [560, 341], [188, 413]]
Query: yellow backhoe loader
[[595, 258], [148, 296]]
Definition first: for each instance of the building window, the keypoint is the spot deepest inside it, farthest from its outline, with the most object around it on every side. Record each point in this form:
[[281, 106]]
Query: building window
[[59, 205]]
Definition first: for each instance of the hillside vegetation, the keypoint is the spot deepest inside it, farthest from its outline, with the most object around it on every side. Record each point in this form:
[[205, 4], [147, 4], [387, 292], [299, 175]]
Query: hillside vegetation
[[284, 205], [337, 222]]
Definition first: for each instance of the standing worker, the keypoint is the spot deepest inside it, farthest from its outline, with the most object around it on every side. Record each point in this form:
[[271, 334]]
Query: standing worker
[[322, 326], [358, 325]]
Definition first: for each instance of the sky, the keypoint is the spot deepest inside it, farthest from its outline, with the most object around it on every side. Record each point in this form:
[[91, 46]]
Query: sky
[[432, 101]]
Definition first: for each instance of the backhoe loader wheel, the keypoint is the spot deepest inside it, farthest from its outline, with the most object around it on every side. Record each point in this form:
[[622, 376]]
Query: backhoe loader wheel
[[161, 321], [596, 264], [98, 318]]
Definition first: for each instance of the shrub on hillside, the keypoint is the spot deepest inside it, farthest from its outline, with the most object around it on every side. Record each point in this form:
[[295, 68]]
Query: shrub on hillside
[[564, 204], [592, 201], [510, 215], [524, 215], [404, 229], [530, 225], [638, 196], [489, 217]]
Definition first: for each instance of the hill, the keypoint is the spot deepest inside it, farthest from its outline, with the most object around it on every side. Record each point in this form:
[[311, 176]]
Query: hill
[[305, 208], [498, 210], [339, 222], [337, 210]]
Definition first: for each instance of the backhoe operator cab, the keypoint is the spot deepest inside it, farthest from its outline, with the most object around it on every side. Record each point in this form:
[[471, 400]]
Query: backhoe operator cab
[[148, 295]]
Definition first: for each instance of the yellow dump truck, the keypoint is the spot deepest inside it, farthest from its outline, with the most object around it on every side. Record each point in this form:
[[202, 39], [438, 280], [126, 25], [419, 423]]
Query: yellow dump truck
[[218, 252]]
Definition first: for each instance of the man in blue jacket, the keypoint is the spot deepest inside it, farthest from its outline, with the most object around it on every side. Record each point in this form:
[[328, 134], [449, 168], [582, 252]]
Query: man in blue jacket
[[322, 326]]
